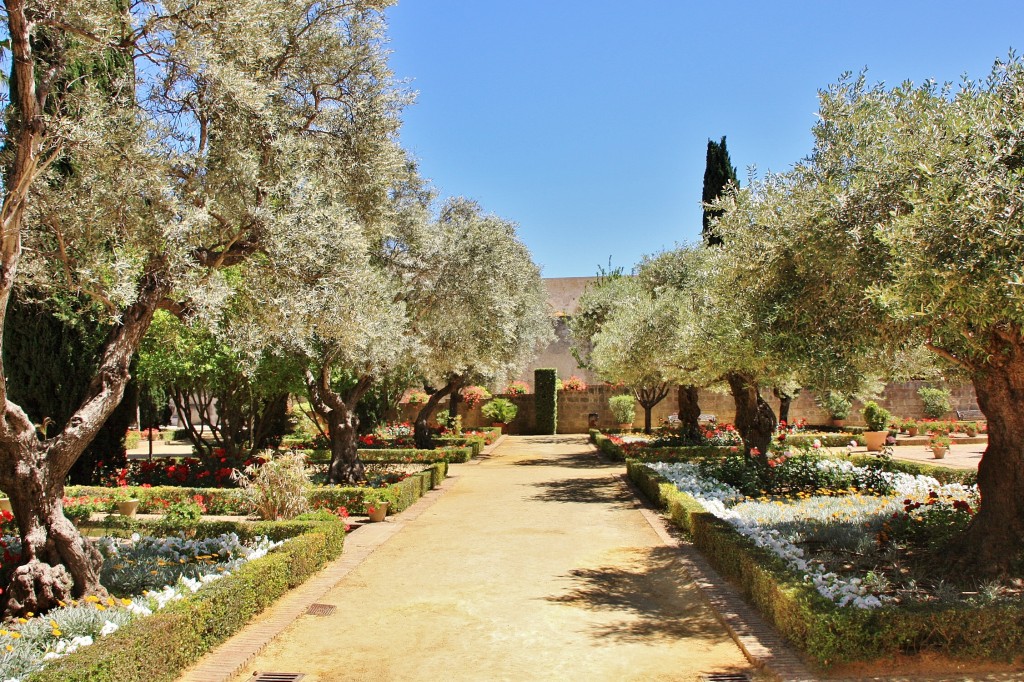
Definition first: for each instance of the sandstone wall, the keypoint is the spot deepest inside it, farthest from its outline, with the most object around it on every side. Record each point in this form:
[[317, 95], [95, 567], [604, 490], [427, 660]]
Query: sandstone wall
[[575, 407]]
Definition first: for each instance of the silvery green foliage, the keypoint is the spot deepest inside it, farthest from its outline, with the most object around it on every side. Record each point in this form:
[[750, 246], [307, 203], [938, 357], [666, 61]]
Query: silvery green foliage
[[208, 157], [478, 304], [634, 343]]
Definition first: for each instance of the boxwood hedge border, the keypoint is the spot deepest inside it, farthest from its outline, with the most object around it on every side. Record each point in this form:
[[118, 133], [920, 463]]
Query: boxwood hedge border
[[828, 634], [158, 647], [400, 496]]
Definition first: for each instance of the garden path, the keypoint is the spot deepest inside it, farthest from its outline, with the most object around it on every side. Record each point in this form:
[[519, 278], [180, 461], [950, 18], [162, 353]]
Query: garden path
[[537, 564]]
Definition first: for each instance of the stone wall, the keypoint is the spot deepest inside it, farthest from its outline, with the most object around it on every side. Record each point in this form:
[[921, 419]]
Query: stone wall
[[575, 407]]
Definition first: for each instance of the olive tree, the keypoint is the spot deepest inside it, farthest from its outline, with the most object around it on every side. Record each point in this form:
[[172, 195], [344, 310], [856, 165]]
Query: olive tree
[[479, 307], [192, 164], [904, 227], [632, 344]]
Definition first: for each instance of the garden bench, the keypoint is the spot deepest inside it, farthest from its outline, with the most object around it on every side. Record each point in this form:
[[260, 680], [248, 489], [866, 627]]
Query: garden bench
[[707, 418], [970, 415]]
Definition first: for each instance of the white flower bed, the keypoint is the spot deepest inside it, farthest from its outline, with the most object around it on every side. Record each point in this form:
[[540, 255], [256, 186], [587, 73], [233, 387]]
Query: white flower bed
[[31, 643], [752, 519]]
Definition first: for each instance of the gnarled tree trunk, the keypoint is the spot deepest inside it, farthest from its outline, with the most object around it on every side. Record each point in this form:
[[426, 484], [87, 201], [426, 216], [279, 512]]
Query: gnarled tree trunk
[[57, 564], [995, 537], [689, 411], [340, 413], [755, 419], [421, 428]]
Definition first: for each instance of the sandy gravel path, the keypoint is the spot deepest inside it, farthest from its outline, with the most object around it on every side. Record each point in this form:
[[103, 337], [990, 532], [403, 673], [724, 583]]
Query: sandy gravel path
[[535, 565]]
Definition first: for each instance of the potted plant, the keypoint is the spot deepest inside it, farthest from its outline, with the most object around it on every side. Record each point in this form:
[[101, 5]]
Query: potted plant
[[377, 511], [911, 427], [877, 418], [971, 429], [623, 409], [838, 407], [126, 504], [501, 412], [939, 444]]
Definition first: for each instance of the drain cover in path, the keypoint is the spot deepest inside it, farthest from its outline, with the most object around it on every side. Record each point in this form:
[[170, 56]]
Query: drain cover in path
[[321, 609], [277, 677], [725, 677]]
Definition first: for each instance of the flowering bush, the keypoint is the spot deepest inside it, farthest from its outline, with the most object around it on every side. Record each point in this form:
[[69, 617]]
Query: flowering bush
[[207, 472], [517, 388], [574, 383], [474, 395], [415, 398]]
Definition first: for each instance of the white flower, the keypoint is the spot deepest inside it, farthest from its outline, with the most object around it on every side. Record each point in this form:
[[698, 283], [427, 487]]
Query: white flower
[[108, 628]]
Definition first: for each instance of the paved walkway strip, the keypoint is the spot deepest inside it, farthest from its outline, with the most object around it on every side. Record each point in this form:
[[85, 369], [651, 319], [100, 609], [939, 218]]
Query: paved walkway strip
[[532, 565]]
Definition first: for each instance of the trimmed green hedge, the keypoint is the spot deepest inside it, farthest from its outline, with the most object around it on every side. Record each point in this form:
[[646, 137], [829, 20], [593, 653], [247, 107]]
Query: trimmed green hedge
[[229, 501], [476, 443], [455, 454], [157, 648], [546, 400], [828, 440], [940, 473], [671, 454], [827, 633]]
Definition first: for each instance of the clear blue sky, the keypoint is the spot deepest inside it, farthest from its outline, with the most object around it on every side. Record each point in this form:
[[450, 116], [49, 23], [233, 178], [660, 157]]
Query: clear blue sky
[[586, 121]]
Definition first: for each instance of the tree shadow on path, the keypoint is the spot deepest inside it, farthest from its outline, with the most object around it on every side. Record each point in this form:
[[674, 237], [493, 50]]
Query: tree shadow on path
[[651, 591], [579, 460], [599, 490]]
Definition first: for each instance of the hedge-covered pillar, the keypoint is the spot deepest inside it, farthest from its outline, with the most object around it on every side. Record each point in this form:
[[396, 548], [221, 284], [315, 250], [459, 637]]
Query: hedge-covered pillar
[[545, 393]]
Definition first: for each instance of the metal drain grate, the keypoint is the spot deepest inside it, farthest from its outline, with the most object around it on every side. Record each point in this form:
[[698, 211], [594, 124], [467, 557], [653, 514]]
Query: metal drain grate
[[277, 677], [321, 610], [726, 677]]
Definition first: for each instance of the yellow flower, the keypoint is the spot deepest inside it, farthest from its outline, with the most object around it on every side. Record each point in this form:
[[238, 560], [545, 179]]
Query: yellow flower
[[10, 648], [15, 635], [60, 603], [126, 602], [101, 607], [56, 633], [92, 599], [22, 621], [53, 624]]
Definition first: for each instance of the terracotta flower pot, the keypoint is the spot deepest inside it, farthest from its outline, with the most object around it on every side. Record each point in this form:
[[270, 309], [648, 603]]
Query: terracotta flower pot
[[875, 440], [838, 422], [502, 426], [625, 427], [939, 451], [5, 504], [913, 431], [377, 512], [128, 507]]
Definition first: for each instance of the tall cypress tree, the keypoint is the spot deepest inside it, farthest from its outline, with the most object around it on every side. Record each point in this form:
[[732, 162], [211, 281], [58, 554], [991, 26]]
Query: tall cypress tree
[[718, 171]]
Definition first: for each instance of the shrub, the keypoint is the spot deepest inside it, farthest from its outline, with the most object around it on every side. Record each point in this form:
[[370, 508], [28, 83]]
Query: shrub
[[183, 515], [278, 489], [546, 400], [623, 408], [837, 405], [517, 388], [936, 401], [876, 417], [474, 395], [500, 410], [574, 383]]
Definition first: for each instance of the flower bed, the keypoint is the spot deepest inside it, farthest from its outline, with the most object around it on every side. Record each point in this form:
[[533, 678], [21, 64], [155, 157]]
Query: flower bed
[[228, 501], [195, 614], [815, 564]]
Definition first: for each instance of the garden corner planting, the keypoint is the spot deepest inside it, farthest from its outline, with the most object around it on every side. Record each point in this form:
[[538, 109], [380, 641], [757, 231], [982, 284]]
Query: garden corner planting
[[844, 557]]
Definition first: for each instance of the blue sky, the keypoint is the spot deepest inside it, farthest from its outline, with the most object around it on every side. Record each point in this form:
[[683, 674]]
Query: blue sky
[[586, 122]]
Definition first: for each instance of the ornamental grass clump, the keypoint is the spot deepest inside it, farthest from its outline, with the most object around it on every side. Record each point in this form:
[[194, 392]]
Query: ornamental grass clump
[[278, 489]]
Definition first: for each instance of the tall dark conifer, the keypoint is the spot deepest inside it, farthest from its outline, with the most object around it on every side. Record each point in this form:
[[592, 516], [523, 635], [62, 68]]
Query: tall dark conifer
[[718, 172]]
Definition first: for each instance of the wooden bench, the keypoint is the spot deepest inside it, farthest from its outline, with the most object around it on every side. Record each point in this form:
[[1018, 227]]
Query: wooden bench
[[707, 418], [970, 415]]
